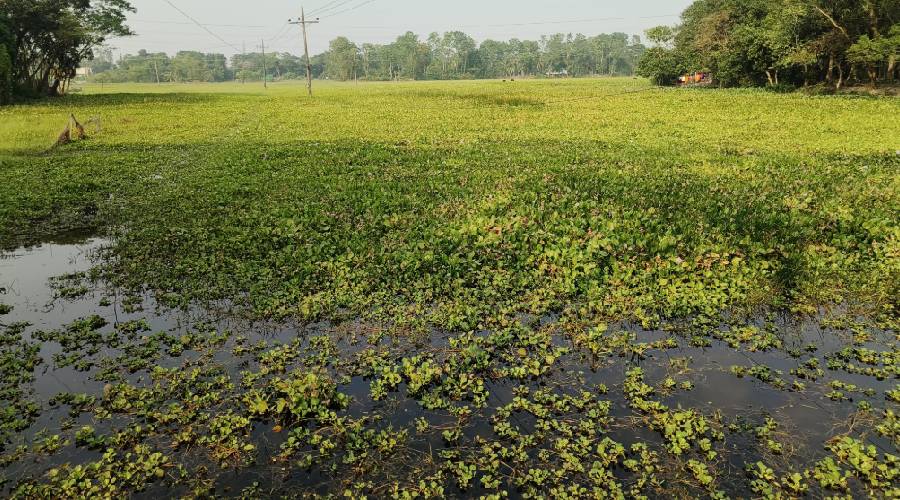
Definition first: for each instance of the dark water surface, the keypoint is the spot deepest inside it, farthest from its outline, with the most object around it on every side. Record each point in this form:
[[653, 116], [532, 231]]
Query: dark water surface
[[806, 418]]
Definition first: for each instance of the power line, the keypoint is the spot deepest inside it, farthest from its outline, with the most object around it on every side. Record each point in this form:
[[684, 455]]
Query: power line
[[330, 6], [278, 33], [324, 7], [348, 10], [153, 21], [185, 14], [570, 21], [321, 7]]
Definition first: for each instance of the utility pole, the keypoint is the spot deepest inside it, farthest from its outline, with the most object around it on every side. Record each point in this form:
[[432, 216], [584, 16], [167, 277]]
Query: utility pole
[[243, 61], [156, 70], [303, 22], [265, 69]]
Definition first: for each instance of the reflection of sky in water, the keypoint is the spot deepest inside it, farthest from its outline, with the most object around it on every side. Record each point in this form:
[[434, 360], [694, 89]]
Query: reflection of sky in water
[[807, 418], [25, 273]]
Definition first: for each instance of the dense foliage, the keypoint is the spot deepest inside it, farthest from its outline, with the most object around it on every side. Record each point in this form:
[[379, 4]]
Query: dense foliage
[[49, 38], [535, 288], [793, 42], [6, 82], [6, 70], [453, 55], [190, 66]]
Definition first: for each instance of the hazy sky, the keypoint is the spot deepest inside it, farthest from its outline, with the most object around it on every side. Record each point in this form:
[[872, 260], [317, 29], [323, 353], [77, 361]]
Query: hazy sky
[[161, 28]]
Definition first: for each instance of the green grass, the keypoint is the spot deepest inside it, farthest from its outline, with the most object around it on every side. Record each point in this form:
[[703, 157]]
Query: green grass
[[466, 206]]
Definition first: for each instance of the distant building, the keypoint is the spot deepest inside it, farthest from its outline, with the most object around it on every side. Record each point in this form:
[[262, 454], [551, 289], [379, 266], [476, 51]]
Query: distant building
[[558, 74], [84, 72], [699, 78]]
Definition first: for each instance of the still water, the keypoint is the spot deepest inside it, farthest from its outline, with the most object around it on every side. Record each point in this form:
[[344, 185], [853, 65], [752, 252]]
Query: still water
[[50, 286]]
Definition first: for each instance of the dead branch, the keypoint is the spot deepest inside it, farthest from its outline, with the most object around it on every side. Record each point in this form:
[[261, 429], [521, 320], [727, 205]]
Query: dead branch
[[64, 138], [833, 22], [79, 130], [74, 131]]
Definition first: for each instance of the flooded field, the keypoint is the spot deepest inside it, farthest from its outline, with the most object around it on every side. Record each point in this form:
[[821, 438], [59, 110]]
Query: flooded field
[[530, 289], [211, 403]]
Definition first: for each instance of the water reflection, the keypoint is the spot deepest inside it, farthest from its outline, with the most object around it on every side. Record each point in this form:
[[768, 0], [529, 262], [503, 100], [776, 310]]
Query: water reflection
[[808, 417]]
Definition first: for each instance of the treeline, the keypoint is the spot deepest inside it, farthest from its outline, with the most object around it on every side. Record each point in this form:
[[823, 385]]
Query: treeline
[[456, 55], [191, 66], [453, 55], [779, 42]]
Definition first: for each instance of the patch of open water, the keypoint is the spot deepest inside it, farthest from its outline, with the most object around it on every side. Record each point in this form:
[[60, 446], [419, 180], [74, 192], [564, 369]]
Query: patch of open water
[[807, 418]]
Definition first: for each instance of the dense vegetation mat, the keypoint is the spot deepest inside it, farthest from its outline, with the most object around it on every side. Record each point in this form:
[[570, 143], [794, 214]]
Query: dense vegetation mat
[[532, 288]]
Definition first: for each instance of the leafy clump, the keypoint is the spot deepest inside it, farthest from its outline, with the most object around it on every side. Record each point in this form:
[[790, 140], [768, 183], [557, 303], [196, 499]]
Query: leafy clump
[[18, 360]]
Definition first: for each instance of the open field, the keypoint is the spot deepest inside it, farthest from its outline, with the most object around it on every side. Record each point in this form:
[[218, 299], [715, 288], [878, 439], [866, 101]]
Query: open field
[[549, 287]]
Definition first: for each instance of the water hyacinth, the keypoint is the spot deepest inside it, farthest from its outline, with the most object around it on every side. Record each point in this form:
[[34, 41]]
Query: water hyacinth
[[532, 288]]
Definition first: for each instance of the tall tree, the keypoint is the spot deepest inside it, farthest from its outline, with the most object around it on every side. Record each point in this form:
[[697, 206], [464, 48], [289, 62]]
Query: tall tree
[[341, 59], [6, 70], [868, 53], [411, 56], [51, 37]]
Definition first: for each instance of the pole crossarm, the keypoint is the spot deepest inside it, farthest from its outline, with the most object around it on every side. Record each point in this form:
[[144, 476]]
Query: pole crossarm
[[303, 22]]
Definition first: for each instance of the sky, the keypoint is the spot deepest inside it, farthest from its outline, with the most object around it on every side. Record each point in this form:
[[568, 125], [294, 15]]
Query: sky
[[232, 25]]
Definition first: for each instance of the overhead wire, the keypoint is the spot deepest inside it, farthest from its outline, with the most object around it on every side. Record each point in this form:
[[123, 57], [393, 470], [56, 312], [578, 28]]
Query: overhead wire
[[211, 32], [349, 9], [154, 21], [568, 21], [331, 6], [537, 23], [281, 33], [320, 8]]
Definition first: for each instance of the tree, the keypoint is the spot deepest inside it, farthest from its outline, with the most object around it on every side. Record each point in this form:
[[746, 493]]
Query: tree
[[101, 62], [51, 37], [411, 55], [492, 57], [5, 76], [6, 70], [891, 46], [341, 59], [661, 35], [192, 66], [660, 65], [460, 48], [869, 53]]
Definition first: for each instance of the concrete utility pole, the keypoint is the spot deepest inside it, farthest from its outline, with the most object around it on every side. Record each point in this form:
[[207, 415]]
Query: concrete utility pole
[[243, 61], [303, 22], [156, 70], [265, 69]]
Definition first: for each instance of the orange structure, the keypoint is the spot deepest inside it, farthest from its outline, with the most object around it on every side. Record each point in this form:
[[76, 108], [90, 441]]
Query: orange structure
[[699, 78]]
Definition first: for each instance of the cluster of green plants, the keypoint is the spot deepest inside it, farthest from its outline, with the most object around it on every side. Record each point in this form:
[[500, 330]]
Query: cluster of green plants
[[18, 360], [492, 290], [851, 458]]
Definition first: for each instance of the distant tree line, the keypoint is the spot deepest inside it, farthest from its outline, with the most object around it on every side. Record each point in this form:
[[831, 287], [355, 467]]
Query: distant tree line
[[452, 55], [456, 55], [192, 66], [150, 67], [42, 42], [779, 42]]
